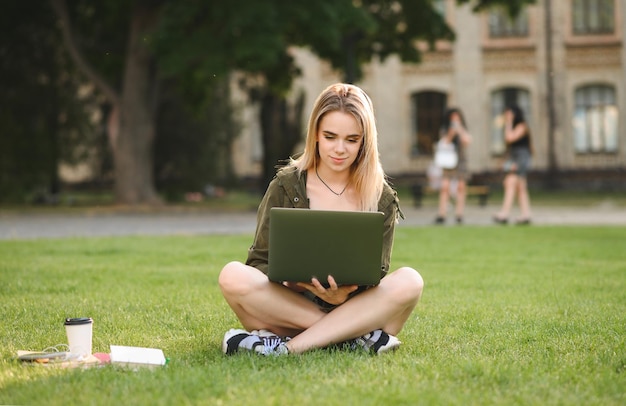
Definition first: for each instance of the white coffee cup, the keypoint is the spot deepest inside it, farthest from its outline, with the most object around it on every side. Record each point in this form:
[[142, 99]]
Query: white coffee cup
[[79, 334]]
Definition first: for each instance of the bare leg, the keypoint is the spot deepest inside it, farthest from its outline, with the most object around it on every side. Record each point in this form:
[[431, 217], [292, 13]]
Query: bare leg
[[444, 196], [385, 307], [461, 192], [261, 304], [523, 198], [510, 186]]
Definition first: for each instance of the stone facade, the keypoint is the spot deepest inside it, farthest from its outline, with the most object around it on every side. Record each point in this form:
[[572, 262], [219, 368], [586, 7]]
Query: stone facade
[[469, 73]]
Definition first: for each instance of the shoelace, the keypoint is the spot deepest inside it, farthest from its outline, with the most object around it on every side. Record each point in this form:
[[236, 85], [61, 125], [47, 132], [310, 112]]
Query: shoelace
[[368, 340], [270, 344]]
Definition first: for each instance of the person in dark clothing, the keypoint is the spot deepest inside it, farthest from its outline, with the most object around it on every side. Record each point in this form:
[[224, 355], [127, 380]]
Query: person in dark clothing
[[519, 149]]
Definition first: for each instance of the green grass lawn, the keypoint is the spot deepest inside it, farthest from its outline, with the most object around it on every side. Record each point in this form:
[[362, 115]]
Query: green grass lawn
[[509, 315]]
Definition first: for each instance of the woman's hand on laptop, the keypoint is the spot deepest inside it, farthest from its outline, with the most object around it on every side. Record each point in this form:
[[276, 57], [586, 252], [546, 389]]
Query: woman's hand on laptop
[[332, 294]]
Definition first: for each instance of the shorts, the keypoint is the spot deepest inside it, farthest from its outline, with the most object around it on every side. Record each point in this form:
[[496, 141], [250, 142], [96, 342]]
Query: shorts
[[518, 162], [458, 173]]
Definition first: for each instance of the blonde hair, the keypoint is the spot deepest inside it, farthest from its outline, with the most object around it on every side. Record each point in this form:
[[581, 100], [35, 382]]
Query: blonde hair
[[366, 173]]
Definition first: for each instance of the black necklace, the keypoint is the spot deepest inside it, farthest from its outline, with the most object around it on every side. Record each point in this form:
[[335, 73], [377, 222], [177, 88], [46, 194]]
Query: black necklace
[[328, 187]]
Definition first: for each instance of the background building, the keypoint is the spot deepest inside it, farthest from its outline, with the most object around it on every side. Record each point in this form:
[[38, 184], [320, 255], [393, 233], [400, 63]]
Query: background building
[[563, 62]]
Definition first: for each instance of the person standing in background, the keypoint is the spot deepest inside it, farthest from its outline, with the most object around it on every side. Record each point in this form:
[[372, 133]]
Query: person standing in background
[[454, 131], [519, 148]]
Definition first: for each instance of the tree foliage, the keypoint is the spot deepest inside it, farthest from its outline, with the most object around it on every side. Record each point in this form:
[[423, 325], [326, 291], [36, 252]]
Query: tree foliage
[[42, 120], [159, 63], [192, 147], [513, 6]]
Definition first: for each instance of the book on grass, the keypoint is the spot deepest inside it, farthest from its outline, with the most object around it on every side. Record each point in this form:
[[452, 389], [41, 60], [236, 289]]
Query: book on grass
[[136, 356]]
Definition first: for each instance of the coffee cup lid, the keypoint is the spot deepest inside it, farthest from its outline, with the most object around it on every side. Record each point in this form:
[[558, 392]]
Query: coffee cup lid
[[78, 321]]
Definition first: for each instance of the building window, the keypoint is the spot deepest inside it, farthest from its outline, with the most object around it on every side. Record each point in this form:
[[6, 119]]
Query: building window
[[428, 108], [595, 119], [502, 25], [591, 17], [500, 100]]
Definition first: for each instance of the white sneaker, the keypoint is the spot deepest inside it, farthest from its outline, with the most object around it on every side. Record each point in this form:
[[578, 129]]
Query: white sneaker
[[378, 342], [236, 340]]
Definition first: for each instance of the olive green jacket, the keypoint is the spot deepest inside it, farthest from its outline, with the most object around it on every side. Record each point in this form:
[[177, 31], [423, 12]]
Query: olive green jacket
[[289, 190]]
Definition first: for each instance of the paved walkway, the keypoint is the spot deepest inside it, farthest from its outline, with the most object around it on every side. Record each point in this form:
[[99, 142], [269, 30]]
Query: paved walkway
[[14, 225]]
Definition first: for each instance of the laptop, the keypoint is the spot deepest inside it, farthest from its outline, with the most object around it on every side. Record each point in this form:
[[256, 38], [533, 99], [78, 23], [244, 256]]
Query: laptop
[[305, 243]]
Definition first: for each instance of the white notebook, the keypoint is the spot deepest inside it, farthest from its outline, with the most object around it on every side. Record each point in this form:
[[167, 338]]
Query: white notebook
[[136, 356]]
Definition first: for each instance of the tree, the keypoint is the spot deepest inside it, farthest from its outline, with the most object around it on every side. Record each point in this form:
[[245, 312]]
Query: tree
[[197, 43], [131, 125], [252, 37], [348, 34], [41, 118], [193, 144], [201, 42]]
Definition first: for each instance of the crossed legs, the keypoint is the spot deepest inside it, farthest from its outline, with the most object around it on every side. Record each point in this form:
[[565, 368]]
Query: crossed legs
[[261, 304]]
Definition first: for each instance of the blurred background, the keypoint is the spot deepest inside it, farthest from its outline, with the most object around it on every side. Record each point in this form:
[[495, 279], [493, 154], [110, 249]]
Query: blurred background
[[147, 102]]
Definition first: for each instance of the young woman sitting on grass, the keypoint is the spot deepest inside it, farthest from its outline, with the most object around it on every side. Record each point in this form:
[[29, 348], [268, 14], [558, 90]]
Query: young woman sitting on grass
[[338, 170]]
